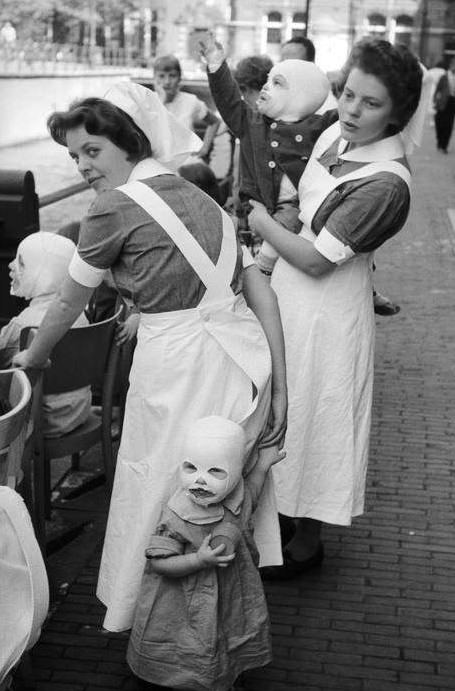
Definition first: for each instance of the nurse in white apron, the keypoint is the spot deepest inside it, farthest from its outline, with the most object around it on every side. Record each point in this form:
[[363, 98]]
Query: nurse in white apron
[[201, 350], [354, 195]]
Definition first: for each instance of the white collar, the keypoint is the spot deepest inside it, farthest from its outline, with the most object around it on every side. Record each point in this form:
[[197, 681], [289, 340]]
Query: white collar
[[148, 168], [387, 149], [188, 511]]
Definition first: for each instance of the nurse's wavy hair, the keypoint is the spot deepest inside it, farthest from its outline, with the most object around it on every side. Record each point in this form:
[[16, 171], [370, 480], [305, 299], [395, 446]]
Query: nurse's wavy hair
[[393, 65], [102, 118]]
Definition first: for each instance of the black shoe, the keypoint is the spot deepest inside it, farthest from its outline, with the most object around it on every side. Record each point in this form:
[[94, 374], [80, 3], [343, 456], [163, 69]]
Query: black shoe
[[287, 528], [291, 567], [384, 306]]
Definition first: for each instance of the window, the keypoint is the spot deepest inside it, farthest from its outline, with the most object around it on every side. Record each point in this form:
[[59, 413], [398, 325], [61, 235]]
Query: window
[[403, 29], [298, 24], [274, 26], [376, 24]]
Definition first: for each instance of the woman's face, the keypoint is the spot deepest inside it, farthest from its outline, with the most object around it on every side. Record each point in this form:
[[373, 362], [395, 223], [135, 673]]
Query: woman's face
[[100, 162], [167, 81], [365, 109]]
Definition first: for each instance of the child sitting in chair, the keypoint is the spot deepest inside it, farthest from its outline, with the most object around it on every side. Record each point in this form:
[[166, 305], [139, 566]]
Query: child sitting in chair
[[201, 617], [36, 273]]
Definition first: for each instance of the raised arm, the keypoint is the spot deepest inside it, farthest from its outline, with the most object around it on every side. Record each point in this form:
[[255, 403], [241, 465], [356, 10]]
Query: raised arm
[[224, 88]]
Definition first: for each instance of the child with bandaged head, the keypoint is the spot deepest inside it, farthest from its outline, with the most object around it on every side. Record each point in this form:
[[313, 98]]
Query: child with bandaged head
[[36, 274], [201, 617], [276, 137]]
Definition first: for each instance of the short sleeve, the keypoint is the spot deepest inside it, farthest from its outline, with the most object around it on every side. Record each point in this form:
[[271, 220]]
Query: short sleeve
[[102, 233], [166, 542], [331, 248], [364, 215]]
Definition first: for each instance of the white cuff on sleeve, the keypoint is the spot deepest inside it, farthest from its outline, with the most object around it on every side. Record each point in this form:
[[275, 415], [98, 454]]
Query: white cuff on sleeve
[[83, 273], [331, 248], [247, 257]]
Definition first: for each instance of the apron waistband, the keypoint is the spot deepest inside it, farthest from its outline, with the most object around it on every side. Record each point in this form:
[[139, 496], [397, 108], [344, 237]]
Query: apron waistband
[[235, 302]]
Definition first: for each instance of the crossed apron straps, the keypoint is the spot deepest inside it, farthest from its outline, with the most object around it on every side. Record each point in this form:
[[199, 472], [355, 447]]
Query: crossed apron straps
[[216, 277]]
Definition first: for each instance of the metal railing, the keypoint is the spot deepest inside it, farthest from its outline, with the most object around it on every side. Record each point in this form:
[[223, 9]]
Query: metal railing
[[32, 57], [65, 192]]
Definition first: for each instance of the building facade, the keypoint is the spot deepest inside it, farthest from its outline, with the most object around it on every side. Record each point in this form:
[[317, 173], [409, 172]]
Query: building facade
[[247, 27]]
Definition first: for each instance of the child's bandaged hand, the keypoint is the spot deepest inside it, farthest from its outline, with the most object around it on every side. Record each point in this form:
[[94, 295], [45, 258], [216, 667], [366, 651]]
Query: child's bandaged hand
[[258, 217], [212, 52], [212, 557]]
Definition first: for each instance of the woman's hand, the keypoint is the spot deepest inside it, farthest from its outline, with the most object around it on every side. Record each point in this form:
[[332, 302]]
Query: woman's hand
[[22, 360], [278, 420], [126, 331], [212, 52], [212, 557], [258, 217]]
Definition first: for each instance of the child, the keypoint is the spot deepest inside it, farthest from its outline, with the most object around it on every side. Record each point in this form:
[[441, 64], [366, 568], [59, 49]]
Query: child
[[36, 273], [201, 617], [186, 107], [201, 175], [276, 138]]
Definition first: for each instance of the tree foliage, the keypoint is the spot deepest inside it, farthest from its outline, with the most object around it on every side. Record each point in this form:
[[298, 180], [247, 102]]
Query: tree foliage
[[30, 17]]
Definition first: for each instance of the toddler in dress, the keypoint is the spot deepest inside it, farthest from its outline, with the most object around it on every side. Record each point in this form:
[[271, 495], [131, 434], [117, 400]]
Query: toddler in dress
[[36, 273], [201, 617]]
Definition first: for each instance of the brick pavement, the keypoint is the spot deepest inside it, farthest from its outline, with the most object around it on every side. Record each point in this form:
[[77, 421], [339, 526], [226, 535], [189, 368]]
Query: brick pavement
[[380, 613]]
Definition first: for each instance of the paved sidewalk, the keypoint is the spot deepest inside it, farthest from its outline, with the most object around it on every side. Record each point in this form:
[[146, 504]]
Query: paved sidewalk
[[380, 613]]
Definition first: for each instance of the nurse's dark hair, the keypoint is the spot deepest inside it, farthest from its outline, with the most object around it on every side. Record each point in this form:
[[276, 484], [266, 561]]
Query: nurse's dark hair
[[101, 118], [396, 67]]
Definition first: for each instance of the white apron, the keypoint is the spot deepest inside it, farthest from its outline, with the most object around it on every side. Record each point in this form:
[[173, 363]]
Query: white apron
[[187, 364], [328, 325], [24, 589]]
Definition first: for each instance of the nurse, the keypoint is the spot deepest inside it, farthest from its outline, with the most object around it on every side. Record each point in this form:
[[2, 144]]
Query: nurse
[[354, 195], [201, 350]]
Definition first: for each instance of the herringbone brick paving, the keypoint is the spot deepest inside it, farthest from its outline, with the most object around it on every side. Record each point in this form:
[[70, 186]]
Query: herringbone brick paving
[[380, 613]]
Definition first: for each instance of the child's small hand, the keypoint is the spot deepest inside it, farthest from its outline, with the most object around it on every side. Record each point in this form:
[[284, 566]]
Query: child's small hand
[[212, 557], [270, 455], [126, 331], [212, 52]]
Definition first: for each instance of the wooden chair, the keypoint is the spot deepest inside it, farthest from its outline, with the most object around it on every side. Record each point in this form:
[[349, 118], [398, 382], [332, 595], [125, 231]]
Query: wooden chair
[[15, 397], [85, 356]]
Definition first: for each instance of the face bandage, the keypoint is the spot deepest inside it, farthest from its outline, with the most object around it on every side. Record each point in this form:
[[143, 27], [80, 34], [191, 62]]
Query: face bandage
[[214, 453], [307, 89]]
